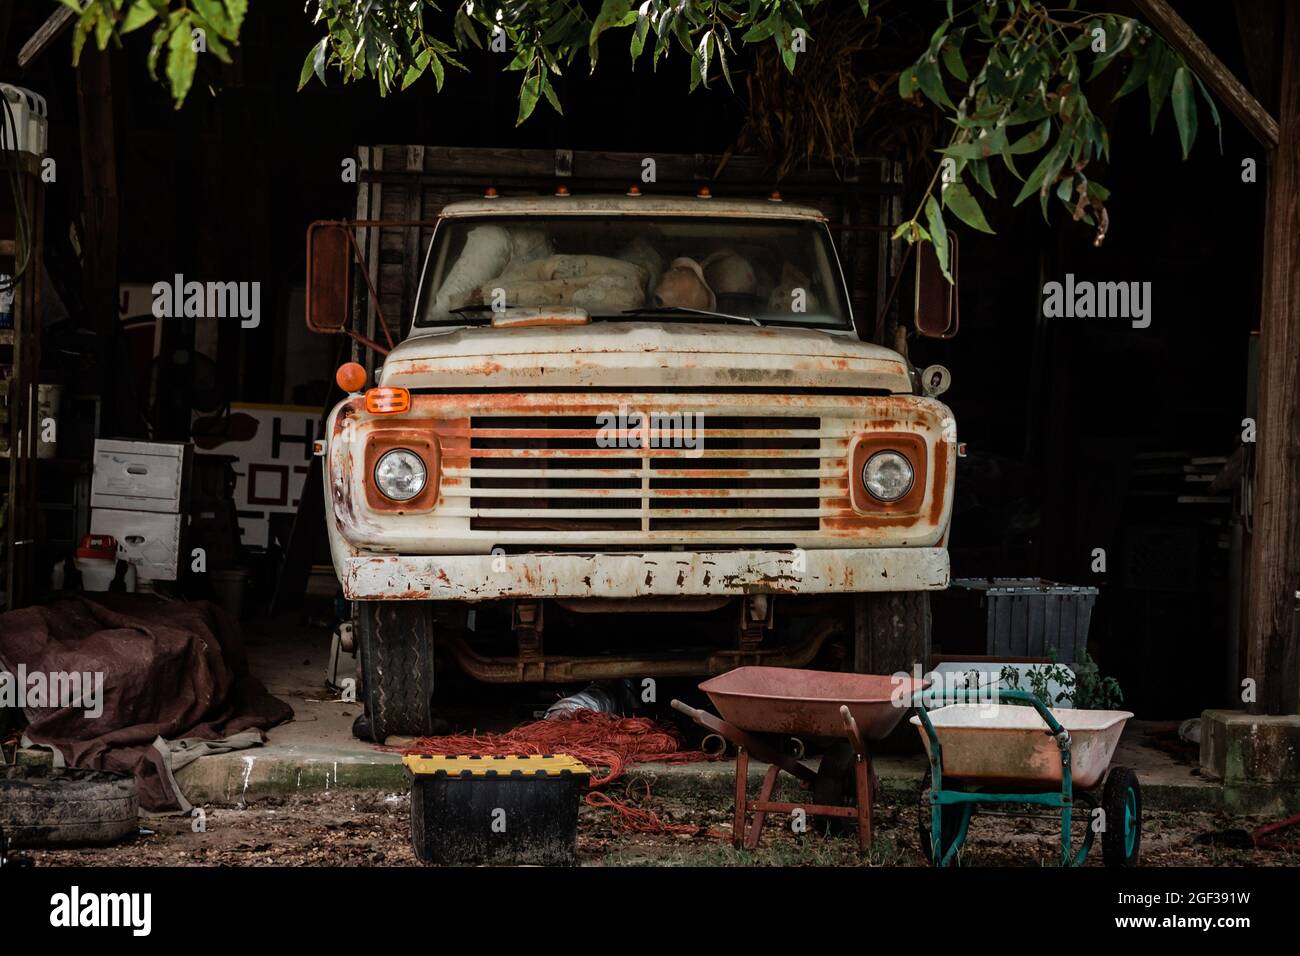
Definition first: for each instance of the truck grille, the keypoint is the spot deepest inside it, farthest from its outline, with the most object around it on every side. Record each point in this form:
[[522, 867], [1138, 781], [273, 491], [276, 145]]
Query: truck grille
[[716, 473]]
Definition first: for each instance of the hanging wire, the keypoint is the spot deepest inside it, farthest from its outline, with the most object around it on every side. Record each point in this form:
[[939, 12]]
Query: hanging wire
[[22, 230]]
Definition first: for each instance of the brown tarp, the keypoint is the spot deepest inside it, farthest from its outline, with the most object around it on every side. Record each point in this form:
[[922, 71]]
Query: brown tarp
[[173, 670]]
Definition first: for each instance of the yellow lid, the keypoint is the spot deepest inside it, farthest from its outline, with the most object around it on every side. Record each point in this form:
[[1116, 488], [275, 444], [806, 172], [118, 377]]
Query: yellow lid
[[546, 765]]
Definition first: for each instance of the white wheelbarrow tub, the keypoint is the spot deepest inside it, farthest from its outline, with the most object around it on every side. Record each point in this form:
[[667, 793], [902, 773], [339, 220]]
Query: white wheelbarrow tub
[[1009, 745]]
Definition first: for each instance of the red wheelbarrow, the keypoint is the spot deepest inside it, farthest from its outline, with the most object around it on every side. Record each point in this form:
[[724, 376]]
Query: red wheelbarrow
[[755, 701]]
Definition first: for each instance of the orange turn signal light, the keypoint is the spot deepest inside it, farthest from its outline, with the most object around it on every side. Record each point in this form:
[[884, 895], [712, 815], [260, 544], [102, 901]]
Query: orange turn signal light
[[388, 400], [351, 377]]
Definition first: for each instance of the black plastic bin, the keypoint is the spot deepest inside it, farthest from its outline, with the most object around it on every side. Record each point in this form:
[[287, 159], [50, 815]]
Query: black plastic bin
[[1030, 617], [506, 810]]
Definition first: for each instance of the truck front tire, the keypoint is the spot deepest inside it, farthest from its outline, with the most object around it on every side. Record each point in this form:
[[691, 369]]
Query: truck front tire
[[891, 632], [397, 669]]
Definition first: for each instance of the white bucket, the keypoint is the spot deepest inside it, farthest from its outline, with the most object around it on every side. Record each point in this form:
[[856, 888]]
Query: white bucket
[[229, 588]]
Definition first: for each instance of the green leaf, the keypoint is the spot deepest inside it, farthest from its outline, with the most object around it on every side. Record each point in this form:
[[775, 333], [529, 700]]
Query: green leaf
[[315, 63], [928, 76], [217, 47], [1098, 191], [979, 171], [1137, 75], [908, 83], [181, 61], [1214, 110], [1044, 173], [140, 13], [215, 14], [938, 234], [237, 10], [613, 13], [638, 37], [103, 30], [702, 51], [1184, 98], [528, 94], [82, 31], [1160, 78], [761, 31], [1032, 142], [412, 74], [965, 207], [551, 98], [952, 60]]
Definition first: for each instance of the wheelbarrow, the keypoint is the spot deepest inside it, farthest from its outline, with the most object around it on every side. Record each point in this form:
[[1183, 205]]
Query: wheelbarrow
[[981, 756], [757, 703]]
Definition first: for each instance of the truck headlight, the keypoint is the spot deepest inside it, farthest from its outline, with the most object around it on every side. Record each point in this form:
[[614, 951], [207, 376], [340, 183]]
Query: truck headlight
[[887, 475], [400, 474]]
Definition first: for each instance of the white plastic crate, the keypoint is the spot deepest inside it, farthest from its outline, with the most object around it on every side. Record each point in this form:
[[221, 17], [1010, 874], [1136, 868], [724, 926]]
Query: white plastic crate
[[150, 541], [29, 132], [140, 475]]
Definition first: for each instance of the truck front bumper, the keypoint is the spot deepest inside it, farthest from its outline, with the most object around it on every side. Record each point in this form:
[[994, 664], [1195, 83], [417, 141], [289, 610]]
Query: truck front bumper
[[642, 574]]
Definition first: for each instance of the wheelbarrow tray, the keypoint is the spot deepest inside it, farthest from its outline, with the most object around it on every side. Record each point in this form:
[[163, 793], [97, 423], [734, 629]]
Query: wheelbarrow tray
[[805, 703], [1008, 746]]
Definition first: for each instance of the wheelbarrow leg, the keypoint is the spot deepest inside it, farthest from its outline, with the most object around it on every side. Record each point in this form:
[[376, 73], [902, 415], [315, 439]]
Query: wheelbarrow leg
[[742, 798], [764, 795], [865, 779], [864, 776]]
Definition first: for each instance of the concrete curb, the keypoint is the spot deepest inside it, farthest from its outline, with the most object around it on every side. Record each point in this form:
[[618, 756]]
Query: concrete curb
[[249, 776]]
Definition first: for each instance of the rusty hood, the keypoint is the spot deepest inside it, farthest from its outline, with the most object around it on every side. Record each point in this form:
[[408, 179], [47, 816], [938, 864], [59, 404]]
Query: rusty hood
[[643, 355]]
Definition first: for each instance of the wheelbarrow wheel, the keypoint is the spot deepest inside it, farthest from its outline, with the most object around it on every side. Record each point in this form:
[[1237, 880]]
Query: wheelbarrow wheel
[[1121, 799], [836, 786], [950, 820]]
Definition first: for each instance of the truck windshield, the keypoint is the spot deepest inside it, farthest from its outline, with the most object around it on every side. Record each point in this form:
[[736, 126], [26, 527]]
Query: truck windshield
[[773, 272]]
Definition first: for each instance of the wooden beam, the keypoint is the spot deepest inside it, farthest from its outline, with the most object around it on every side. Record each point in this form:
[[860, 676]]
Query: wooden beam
[[1272, 621], [100, 237], [1211, 70], [1257, 27], [44, 38]]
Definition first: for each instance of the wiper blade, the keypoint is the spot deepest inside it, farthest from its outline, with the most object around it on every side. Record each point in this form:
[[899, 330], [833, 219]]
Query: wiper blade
[[682, 310], [469, 309]]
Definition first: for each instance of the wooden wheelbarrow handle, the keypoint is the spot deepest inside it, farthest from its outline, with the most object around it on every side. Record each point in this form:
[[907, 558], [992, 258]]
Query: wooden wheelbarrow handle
[[756, 746], [851, 728]]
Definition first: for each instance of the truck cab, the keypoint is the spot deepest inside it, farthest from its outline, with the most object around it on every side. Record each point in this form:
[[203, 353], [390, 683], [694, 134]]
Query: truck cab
[[633, 437]]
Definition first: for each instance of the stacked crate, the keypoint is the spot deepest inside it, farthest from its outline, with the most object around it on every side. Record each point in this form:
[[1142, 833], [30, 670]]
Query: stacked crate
[[138, 495]]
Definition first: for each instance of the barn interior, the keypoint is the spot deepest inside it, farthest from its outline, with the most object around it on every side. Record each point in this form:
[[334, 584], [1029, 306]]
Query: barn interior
[[1100, 454]]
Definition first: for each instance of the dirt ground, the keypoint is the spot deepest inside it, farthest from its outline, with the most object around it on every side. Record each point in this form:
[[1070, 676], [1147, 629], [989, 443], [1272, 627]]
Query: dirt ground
[[363, 828]]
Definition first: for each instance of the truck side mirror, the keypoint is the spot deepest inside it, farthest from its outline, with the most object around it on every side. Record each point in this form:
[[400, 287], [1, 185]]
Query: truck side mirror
[[936, 313], [329, 276]]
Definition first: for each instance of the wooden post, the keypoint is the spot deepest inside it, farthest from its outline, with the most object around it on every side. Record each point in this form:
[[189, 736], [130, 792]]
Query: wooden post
[[1273, 618], [99, 243]]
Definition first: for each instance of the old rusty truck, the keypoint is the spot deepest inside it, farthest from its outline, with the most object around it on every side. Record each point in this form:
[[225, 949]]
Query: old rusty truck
[[632, 437]]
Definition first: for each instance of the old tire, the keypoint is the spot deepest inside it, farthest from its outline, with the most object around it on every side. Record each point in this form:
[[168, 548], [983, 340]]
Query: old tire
[[397, 671], [40, 807], [1121, 799]]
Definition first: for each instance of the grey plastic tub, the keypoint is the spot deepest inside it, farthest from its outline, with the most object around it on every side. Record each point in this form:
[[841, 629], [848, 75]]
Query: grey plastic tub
[[1031, 617]]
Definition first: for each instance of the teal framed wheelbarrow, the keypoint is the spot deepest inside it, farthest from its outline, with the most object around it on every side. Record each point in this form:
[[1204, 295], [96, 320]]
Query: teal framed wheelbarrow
[[983, 755]]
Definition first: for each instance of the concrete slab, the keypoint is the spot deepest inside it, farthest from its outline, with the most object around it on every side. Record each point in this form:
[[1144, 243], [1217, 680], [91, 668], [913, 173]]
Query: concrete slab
[[1256, 757], [316, 751]]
